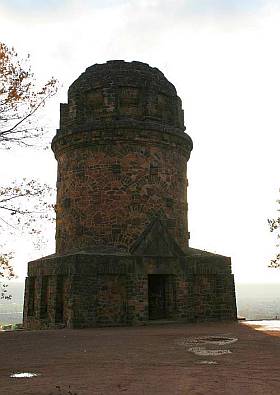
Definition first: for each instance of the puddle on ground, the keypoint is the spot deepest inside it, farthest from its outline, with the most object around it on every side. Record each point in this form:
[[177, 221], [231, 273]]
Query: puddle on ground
[[202, 345], [203, 352], [216, 340], [22, 375], [207, 363]]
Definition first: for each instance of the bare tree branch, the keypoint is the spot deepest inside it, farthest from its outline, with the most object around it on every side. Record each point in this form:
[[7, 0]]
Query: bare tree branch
[[24, 205]]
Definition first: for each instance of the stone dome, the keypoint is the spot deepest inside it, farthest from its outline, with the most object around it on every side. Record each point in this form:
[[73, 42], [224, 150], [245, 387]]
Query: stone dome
[[125, 94], [121, 73]]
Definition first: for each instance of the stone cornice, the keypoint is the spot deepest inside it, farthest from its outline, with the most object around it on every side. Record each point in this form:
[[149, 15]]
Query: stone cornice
[[107, 136], [148, 123]]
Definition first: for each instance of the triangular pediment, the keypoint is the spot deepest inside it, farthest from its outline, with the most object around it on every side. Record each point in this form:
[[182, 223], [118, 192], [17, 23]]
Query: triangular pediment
[[156, 241]]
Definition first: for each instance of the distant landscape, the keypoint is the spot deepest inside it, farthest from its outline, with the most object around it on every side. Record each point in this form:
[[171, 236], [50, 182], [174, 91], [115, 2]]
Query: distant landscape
[[258, 301], [11, 310], [254, 302]]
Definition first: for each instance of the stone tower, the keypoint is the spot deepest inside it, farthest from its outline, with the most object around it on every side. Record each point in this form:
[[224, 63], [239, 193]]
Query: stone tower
[[122, 159], [122, 252]]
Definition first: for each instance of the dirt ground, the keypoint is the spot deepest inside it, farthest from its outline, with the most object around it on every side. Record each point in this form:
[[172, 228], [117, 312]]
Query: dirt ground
[[157, 359]]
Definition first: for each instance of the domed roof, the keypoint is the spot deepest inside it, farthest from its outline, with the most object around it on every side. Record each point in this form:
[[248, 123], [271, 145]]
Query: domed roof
[[120, 94], [118, 101], [121, 73]]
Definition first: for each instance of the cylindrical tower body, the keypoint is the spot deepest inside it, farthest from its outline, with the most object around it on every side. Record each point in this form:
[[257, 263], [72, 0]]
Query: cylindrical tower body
[[122, 159]]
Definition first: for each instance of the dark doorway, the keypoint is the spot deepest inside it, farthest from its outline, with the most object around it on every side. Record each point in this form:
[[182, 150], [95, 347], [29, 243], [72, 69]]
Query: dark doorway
[[44, 297], [59, 308], [157, 291]]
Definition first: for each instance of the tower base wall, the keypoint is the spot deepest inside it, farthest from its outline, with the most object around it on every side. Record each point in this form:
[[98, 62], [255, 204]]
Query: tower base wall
[[88, 290]]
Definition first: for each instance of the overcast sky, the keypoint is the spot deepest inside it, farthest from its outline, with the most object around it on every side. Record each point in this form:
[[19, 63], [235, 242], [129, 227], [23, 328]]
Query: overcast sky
[[224, 59]]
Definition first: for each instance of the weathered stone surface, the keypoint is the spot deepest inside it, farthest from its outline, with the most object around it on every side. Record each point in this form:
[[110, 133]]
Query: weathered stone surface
[[122, 253], [122, 156], [113, 290]]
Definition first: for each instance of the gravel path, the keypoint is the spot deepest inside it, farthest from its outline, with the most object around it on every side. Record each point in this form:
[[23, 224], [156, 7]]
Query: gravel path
[[199, 359]]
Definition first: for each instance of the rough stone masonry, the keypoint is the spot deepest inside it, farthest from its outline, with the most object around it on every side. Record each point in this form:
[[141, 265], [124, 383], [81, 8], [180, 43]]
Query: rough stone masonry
[[122, 240]]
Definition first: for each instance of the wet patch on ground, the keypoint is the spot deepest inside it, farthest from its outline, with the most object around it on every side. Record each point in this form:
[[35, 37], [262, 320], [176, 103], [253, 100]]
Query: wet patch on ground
[[207, 363], [205, 346], [24, 375], [204, 352]]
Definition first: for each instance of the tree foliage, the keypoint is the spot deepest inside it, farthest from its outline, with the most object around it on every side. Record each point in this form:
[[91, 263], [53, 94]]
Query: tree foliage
[[20, 100], [6, 272], [274, 225], [24, 204]]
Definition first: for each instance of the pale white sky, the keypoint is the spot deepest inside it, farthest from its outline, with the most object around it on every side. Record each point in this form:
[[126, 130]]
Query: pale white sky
[[224, 59]]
